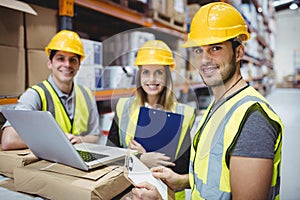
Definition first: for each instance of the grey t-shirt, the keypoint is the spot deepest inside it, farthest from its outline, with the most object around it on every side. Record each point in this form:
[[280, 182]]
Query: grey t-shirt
[[257, 138]]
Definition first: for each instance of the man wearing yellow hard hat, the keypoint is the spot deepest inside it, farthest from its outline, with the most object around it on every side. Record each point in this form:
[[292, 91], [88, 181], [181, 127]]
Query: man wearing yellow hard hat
[[154, 90], [236, 152], [72, 105]]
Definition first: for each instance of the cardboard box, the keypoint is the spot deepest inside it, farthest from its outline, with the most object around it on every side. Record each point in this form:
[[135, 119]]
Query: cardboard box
[[12, 76], [41, 28], [163, 6], [37, 66], [13, 159], [56, 181], [179, 13], [12, 30]]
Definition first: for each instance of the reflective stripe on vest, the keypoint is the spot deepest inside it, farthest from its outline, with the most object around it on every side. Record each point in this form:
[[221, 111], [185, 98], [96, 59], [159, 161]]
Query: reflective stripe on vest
[[52, 103], [127, 113], [215, 157], [123, 106]]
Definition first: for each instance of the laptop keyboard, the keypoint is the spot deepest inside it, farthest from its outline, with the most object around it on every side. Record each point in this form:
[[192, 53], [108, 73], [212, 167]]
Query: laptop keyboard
[[88, 156]]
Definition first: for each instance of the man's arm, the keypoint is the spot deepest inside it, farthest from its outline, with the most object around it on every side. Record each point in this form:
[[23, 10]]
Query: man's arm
[[91, 138], [11, 140], [76, 139], [251, 160], [250, 178], [94, 131]]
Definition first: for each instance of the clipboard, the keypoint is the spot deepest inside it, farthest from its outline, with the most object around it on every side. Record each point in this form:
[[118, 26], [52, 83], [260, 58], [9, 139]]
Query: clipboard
[[159, 131]]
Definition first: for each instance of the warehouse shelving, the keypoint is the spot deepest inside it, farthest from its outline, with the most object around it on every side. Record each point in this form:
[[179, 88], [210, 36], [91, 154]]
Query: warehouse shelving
[[126, 18], [128, 15], [120, 14], [8, 100], [102, 95]]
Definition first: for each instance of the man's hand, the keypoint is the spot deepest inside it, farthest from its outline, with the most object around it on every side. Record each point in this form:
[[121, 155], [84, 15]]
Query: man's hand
[[74, 139], [145, 191], [173, 180]]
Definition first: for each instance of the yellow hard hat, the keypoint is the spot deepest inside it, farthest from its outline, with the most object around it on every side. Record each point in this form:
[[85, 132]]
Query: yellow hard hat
[[155, 52], [214, 23], [68, 41]]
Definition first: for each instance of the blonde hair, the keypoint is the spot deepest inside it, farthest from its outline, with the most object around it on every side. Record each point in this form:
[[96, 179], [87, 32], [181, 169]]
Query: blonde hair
[[167, 97]]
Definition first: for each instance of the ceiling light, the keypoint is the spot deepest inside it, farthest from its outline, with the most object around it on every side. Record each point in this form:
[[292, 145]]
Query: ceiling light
[[281, 2], [293, 6], [259, 9]]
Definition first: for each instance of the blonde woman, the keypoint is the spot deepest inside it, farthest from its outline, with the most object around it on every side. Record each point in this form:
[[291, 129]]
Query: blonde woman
[[154, 90]]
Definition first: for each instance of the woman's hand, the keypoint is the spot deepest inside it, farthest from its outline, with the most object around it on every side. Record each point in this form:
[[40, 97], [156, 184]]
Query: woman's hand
[[150, 159], [136, 146], [154, 159]]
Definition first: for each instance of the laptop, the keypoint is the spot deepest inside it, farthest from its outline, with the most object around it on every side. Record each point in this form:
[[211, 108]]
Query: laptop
[[159, 131], [45, 138]]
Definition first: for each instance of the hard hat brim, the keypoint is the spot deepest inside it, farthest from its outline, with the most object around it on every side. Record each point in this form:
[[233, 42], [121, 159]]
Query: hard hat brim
[[213, 40]]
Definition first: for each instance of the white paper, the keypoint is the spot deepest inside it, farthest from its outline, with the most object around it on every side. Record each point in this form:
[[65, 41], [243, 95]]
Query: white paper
[[138, 173]]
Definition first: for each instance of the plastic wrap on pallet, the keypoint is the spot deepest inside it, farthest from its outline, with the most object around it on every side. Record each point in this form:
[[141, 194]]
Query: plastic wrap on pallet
[[90, 76], [118, 77], [129, 45], [92, 51]]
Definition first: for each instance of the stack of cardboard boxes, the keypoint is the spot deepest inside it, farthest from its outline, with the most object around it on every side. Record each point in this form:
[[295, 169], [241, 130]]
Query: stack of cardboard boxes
[[39, 31], [30, 175], [23, 63], [23, 39], [12, 52], [170, 12]]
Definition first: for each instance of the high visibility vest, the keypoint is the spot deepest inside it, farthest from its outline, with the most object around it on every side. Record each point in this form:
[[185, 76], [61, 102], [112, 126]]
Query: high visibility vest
[[52, 103], [127, 112], [209, 173]]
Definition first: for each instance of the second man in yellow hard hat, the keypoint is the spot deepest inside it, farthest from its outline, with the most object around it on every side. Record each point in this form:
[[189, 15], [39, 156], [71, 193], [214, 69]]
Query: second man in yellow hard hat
[[73, 106]]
